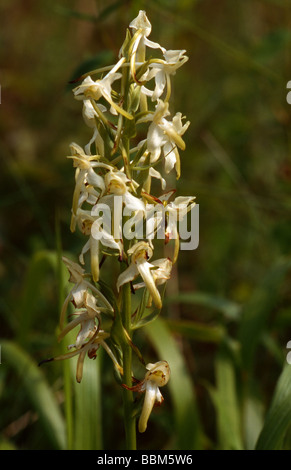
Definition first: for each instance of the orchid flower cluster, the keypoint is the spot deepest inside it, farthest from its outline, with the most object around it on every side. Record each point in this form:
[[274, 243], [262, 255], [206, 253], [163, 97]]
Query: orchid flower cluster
[[117, 169]]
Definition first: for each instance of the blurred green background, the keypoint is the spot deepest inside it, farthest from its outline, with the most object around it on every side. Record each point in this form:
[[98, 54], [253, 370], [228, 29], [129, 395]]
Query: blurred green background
[[227, 314]]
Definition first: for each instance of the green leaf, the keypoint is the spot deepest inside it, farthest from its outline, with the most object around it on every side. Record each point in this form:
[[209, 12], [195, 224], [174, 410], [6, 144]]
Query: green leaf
[[141, 309], [257, 310], [147, 319], [129, 129], [278, 418], [107, 291], [38, 391], [253, 418], [186, 426], [41, 263], [226, 402], [84, 416], [146, 314], [88, 405]]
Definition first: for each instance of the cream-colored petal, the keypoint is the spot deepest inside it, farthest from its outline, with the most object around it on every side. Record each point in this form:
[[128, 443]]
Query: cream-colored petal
[[155, 141], [148, 404], [80, 365], [145, 272], [88, 328], [94, 255], [141, 22], [158, 373], [132, 203], [156, 174], [127, 275]]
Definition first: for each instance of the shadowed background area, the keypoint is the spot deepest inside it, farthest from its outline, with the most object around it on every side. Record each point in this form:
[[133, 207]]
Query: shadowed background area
[[227, 316]]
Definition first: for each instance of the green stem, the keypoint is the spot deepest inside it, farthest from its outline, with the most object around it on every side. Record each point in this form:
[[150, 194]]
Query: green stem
[[66, 367], [129, 419]]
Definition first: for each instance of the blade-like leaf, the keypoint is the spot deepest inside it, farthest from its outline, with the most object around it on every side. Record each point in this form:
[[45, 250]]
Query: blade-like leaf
[[41, 263], [253, 418], [38, 392], [87, 401], [278, 418], [226, 402], [257, 310]]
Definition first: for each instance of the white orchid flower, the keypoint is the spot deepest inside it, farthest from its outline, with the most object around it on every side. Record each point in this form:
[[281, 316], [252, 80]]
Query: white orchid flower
[[90, 89], [85, 175], [161, 273], [161, 70], [87, 194], [85, 317], [99, 235], [90, 337], [171, 153], [157, 376], [90, 115], [176, 211], [118, 194], [140, 253], [142, 28], [83, 348], [163, 216], [100, 228], [85, 220], [89, 223], [79, 292], [116, 183], [88, 342], [164, 135]]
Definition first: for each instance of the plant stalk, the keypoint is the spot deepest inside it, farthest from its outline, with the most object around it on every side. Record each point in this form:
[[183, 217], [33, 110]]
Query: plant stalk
[[129, 419]]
